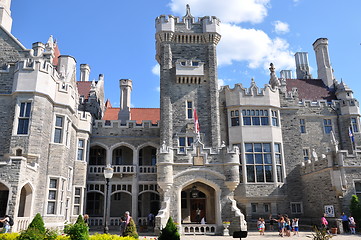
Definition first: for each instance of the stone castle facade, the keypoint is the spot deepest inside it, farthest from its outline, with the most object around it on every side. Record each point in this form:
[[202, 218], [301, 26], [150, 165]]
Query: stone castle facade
[[281, 148]]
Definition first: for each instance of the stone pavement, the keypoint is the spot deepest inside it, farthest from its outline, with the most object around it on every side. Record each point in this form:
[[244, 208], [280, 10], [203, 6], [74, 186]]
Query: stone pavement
[[268, 235]]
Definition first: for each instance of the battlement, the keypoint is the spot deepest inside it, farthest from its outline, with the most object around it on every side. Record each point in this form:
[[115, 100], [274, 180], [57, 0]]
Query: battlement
[[41, 65], [124, 124], [253, 95]]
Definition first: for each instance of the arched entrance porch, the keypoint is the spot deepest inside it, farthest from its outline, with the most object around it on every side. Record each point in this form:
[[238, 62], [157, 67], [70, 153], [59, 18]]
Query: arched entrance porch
[[4, 195]]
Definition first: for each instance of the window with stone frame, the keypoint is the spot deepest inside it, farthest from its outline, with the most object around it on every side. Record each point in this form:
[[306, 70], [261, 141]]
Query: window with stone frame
[[234, 118], [184, 142], [52, 196], [81, 149], [296, 207], [327, 125], [58, 131], [275, 121], [306, 154], [278, 161], [189, 109], [354, 125], [358, 188], [254, 207], [302, 126], [24, 118], [259, 164], [77, 201], [266, 207], [256, 117]]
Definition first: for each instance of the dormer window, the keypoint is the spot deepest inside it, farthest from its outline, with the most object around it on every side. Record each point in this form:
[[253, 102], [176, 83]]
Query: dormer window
[[194, 64]]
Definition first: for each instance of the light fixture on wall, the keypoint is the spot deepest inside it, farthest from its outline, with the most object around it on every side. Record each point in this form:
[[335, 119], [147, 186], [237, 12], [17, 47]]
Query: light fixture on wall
[[194, 192]]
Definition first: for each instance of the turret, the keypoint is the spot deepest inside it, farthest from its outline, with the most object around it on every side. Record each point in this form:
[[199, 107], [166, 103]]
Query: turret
[[84, 72], [302, 67], [66, 67], [125, 92], [38, 48], [324, 69], [5, 15]]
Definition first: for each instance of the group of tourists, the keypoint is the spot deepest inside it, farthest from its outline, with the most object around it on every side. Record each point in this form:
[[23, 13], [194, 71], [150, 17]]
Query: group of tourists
[[348, 223], [285, 225]]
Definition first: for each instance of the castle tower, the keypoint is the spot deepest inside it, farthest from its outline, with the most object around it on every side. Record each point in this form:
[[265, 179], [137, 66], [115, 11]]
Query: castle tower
[[324, 69], [186, 53], [302, 67], [5, 15], [84, 72], [125, 92]]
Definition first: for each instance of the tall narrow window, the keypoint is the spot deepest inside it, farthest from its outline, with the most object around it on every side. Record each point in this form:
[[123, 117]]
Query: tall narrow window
[[302, 126], [327, 124], [24, 117], [182, 144], [235, 118], [306, 154], [189, 109], [58, 133], [296, 207], [77, 201], [354, 125], [274, 118], [358, 188], [278, 161], [52, 196], [70, 178], [81, 146]]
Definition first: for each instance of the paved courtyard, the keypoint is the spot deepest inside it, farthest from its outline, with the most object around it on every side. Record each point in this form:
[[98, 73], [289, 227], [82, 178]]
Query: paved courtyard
[[268, 235]]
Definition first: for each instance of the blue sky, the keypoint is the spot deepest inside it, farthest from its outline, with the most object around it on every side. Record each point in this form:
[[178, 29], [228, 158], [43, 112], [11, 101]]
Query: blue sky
[[116, 38]]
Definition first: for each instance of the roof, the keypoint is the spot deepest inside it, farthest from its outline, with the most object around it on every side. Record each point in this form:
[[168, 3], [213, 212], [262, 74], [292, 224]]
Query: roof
[[84, 88], [56, 55], [311, 89], [137, 114]]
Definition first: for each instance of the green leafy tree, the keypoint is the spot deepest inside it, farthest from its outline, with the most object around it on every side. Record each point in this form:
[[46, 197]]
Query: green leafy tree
[[37, 231], [38, 223], [131, 230], [355, 209], [170, 232]]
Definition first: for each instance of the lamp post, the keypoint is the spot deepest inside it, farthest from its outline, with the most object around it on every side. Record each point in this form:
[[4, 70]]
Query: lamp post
[[108, 174]]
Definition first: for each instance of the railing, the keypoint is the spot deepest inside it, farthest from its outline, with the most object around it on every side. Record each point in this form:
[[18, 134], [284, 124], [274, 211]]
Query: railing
[[21, 223], [122, 169], [199, 229], [147, 169]]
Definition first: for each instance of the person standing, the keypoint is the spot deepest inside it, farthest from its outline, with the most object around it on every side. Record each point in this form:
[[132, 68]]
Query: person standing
[[198, 215], [352, 225], [295, 226], [324, 223], [6, 222], [345, 224]]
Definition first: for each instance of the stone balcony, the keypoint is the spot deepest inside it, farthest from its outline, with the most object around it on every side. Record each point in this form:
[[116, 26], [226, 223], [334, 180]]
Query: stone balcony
[[123, 169]]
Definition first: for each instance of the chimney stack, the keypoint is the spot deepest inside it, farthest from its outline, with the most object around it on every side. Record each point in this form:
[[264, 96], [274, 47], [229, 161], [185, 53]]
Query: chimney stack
[[302, 67], [324, 69], [84, 72]]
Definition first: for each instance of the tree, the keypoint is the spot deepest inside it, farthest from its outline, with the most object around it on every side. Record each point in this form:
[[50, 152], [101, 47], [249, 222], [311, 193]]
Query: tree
[[170, 232], [355, 209], [131, 230]]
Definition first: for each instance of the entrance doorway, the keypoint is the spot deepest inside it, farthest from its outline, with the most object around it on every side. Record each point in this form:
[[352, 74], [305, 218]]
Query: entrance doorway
[[198, 209]]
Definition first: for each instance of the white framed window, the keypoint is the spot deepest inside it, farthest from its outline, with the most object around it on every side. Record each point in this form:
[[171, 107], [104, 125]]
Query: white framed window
[[77, 201], [189, 109], [354, 125], [58, 131], [256, 117], [234, 118], [296, 207], [306, 154], [259, 164], [327, 125], [278, 161], [52, 196], [81, 149], [266, 207], [23, 118], [275, 121], [302, 126]]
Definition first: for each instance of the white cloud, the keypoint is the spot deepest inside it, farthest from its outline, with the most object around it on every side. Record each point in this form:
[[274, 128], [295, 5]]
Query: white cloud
[[253, 46], [220, 83], [156, 70], [157, 89], [281, 27], [228, 11]]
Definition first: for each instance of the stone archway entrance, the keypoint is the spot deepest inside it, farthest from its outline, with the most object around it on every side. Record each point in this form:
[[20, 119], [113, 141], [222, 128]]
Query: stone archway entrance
[[4, 194], [197, 202]]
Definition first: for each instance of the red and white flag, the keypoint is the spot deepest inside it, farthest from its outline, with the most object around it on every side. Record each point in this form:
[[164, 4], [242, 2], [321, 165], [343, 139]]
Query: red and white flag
[[196, 122]]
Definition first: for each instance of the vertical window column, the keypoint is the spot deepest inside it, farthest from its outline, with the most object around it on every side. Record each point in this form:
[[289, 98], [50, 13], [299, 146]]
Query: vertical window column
[[24, 117], [354, 125], [77, 201], [81, 148], [302, 126], [235, 118], [327, 125], [189, 109], [58, 132], [52, 196], [278, 161]]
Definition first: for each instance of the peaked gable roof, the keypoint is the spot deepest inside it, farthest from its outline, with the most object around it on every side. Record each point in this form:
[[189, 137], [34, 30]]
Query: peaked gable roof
[[84, 88], [311, 89]]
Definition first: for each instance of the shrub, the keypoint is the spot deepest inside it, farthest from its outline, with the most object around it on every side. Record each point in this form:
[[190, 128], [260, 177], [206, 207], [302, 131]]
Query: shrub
[[77, 231], [320, 234], [32, 234], [131, 230], [38, 223], [98, 236], [9, 236], [355, 208], [170, 232]]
